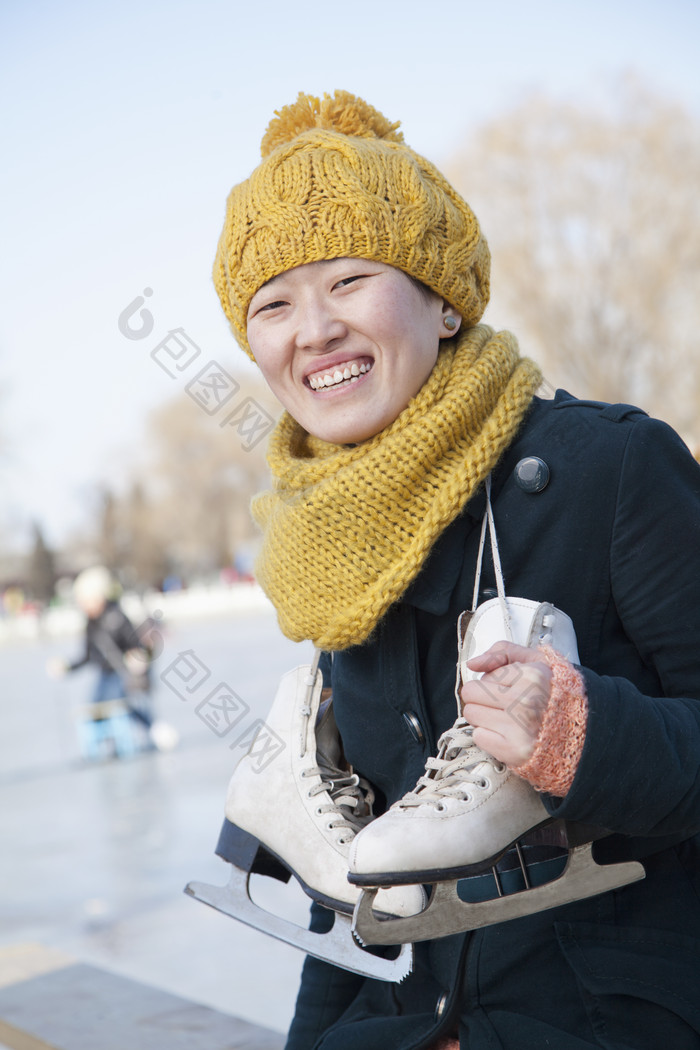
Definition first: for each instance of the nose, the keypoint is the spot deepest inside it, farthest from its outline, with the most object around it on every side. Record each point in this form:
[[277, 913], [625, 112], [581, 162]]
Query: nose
[[319, 325]]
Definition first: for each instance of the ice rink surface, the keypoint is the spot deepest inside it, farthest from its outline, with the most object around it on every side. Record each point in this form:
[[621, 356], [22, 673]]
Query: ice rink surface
[[94, 856]]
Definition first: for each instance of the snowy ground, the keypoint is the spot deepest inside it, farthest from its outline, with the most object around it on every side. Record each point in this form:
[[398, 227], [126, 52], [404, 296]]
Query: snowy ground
[[94, 857]]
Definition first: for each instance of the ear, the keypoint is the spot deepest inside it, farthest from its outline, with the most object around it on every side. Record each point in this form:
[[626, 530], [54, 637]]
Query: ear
[[450, 320]]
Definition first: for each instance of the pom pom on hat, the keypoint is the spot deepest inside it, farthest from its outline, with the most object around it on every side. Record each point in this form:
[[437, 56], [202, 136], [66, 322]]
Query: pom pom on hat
[[337, 180], [343, 112]]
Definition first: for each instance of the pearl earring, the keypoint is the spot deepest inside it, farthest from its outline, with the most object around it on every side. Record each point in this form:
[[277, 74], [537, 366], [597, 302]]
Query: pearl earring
[[450, 323]]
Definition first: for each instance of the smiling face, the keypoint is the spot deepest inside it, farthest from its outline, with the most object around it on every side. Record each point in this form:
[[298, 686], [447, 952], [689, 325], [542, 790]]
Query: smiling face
[[345, 344]]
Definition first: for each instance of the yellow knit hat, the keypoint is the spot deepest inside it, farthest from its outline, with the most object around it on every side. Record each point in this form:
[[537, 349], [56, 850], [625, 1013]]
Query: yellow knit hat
[[337, 180]]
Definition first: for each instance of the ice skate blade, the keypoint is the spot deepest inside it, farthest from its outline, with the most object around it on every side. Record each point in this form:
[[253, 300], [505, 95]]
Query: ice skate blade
[[337, 946], [446, 913]]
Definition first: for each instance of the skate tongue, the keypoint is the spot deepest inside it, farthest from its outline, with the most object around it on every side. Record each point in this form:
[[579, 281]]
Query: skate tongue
[[328, 746], [349, 792]]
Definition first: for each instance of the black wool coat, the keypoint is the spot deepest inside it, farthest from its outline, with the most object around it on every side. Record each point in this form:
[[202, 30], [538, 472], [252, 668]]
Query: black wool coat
[[613, 540]]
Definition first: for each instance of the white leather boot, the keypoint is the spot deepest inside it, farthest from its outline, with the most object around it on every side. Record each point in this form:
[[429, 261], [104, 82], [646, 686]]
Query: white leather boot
[[467, 809], [294, 806]]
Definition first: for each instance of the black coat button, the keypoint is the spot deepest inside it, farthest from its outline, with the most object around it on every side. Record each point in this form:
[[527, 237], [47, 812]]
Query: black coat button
[[532, 474], [414, 727]]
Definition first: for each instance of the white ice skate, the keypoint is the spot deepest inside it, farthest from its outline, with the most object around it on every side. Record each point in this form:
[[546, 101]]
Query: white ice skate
[[468, 809], [293, 808]]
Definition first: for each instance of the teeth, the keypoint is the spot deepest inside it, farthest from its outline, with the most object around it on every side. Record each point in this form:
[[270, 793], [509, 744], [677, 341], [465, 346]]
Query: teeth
[[349, 372]]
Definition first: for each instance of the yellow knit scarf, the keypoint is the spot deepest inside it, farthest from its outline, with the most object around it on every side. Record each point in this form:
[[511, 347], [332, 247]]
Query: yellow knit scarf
[[346, 529]]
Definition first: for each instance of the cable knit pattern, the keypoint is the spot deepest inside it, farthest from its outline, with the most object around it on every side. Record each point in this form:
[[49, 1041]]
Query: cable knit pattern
[[338, 181], [559, 744], [346, 529]]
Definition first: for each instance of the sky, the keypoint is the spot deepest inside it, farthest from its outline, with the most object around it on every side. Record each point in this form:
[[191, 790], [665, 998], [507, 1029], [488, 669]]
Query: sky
[[122, 129]]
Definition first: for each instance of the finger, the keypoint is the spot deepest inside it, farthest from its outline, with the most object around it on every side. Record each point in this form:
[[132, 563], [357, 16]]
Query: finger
[[491, 690], [500, 654], [502, 736], [522, 715], [494, 719], [502, 749], [492, 743], [516, 717], [509, 685]]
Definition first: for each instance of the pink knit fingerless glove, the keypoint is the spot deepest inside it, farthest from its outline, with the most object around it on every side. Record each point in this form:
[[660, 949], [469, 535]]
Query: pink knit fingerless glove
[[553, 764]]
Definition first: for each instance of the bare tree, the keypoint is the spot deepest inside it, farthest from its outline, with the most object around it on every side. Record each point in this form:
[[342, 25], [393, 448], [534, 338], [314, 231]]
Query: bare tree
[[199, 482], [41, 571], [593, 220], [145, 561], [184, 509], [111, 542]]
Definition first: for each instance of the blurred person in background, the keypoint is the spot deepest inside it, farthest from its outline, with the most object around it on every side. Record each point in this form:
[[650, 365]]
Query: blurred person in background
[[121, 655]]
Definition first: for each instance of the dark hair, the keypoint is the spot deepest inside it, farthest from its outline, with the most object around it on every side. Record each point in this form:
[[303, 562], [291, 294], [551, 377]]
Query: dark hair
[[423, 288]]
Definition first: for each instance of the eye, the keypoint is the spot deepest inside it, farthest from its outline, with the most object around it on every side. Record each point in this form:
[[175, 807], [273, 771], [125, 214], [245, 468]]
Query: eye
[[350, 280], [255, 311]]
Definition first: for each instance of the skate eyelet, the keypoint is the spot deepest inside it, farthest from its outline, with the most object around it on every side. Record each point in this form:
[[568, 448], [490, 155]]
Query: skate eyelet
[[484, 783]]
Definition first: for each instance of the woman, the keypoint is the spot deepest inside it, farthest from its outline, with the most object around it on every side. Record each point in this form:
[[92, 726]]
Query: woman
[[356, 277]]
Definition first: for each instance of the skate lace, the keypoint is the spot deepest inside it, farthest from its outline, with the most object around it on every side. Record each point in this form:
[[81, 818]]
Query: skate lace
[[459, 768], [351, 797]]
